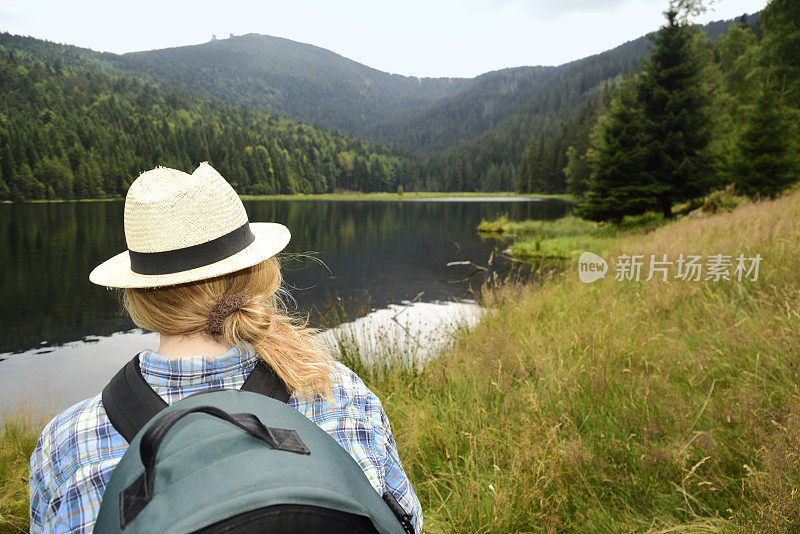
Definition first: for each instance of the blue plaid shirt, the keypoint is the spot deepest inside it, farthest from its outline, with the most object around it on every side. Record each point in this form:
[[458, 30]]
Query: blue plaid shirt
[[79, 448]]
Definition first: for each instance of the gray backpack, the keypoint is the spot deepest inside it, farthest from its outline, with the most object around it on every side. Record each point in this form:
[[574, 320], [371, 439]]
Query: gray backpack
[[233, 461]]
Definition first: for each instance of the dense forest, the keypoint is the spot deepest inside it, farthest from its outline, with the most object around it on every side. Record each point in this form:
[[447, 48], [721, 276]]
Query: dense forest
[[71, 131], [490, 161], [76, 123], [554, 158], [490, 100], [701, 115], [489, 156], [294, 79]]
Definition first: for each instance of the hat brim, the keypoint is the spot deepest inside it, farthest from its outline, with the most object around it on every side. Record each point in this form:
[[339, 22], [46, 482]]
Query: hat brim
[[270, 238]]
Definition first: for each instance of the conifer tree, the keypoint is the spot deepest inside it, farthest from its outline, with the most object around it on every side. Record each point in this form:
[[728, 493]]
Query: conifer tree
[[766, 162], [781, 23], [620, 183], [576, 170], [674, 101]]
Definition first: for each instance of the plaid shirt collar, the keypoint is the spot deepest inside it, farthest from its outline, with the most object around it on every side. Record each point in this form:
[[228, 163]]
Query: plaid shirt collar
[[161, 371]]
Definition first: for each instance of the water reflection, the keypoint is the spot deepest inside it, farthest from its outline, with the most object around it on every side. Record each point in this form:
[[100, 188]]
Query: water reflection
[[406, 334], [378, 253]]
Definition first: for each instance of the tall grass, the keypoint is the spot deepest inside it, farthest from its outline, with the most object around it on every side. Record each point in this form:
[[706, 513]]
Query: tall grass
[[18, 436], [621, 406]]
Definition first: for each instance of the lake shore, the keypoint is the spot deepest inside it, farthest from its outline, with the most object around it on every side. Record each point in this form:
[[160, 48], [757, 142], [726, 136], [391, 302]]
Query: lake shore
[[620, 406], [344, 196], [613, 406]]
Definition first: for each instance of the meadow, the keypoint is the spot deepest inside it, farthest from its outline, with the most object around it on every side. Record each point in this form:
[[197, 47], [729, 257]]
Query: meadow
[[620, 406]]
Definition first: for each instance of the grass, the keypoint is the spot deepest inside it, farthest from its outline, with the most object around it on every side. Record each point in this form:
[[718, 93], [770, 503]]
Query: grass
[[61, 200], [564, 227], [356, 195], [558, 247], [18, 436], [564, 238], [611, 407], [620, 406], [569, 226]]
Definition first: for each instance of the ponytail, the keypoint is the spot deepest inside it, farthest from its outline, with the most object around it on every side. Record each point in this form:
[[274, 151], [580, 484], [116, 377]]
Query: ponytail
[[240, 307]]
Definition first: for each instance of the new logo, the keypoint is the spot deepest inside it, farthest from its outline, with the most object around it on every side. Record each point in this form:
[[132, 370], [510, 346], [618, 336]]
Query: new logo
[[591, 267]]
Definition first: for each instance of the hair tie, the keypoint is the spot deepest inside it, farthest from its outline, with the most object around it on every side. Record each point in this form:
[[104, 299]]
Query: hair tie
[[224, 308]]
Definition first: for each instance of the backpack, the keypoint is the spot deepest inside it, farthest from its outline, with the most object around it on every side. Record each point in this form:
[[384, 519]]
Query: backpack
[[233, 461]]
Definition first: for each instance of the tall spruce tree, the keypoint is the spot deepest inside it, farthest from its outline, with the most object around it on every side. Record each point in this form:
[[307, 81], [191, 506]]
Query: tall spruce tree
[[620, 183], [674, 100], [739, 78], [766, 162], [781, 45]]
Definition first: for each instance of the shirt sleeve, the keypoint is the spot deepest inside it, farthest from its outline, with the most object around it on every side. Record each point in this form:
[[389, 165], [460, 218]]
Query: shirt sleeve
[[37, 486], [69, 469], [355, 418], [395, 480]]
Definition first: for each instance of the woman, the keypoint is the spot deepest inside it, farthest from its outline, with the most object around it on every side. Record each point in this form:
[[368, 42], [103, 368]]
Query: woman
[[203, 277]]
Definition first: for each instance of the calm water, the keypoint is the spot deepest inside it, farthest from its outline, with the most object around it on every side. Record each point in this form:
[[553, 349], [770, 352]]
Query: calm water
[[376, 253]]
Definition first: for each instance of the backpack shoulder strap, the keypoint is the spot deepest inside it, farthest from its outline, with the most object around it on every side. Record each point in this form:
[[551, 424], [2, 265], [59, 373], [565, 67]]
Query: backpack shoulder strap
[[264, 380], [129, 400]]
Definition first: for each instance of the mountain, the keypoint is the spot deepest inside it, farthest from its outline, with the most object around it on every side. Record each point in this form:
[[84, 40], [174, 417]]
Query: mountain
[[425, 133], [299, 80], [73, 126], [419, 115], [487, 158], [489, 100]]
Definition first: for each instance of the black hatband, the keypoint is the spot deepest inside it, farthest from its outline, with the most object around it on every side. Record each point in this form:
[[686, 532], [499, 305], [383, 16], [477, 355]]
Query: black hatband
[[184, 259]]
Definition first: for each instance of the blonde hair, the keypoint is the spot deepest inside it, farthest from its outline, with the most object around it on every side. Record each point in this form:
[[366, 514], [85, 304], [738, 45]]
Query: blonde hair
[[282, 341]]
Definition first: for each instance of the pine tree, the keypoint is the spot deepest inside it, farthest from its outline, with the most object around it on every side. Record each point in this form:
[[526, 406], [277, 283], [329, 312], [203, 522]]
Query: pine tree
[[674, 102], [766, 162], [620, 183]]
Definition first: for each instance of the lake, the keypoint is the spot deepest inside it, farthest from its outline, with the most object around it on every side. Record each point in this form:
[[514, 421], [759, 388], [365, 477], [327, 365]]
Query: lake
[[63, 336]]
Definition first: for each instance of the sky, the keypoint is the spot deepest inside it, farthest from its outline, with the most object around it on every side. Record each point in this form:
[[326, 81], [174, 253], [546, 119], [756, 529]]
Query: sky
[[411, 37]]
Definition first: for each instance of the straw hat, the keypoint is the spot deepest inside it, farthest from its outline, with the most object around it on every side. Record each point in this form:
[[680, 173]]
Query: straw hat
[[186, 227]]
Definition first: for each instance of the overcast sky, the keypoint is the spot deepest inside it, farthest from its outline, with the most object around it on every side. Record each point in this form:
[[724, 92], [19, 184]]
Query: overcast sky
[[412, 37]]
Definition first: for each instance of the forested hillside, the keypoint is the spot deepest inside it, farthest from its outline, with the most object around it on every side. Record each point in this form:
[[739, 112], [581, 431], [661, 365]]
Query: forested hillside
[[701, 116], [485, 104], [76, 123], [492, 159], [555, 158], [70, 127], [300, 80]]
